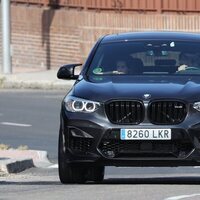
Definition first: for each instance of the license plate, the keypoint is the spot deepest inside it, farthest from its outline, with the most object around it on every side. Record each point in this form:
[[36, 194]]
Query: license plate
[[145, 134]]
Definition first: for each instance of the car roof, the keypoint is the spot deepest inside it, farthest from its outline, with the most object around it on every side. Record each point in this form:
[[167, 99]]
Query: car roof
[[154, 35]]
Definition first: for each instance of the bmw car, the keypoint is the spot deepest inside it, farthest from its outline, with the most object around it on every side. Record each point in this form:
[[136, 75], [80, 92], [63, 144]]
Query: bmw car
[[135, 102]]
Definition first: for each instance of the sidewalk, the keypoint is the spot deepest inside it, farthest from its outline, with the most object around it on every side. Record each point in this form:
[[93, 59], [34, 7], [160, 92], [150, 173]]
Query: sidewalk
[[33, 79]]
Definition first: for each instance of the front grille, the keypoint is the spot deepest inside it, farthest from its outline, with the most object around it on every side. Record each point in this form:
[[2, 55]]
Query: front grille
[[80, 144], [125, 112], [167, 112], [134, 149], [112, 147]]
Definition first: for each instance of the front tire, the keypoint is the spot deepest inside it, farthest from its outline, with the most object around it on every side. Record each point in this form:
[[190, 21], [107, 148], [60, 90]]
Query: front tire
[[68, 173]]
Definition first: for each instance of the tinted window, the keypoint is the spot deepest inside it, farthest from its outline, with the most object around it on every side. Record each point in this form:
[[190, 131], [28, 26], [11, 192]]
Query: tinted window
[[146, 57]]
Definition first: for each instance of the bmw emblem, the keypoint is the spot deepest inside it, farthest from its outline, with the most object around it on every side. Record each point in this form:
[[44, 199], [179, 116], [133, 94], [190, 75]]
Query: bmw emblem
[[147, 96]]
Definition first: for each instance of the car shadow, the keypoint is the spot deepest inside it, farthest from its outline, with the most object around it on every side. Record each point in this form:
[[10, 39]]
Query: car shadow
[[186, 180]]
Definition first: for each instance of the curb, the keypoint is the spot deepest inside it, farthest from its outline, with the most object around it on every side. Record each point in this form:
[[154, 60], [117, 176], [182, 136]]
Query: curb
[[13, 83], [14, 161], [6, 84], [15, 166]]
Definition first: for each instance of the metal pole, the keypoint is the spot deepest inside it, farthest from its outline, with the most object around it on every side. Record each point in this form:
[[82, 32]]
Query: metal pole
[[5, 5]]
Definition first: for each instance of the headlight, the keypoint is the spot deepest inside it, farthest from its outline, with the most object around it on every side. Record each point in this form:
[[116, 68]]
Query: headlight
[[196, 106], [74, 104]]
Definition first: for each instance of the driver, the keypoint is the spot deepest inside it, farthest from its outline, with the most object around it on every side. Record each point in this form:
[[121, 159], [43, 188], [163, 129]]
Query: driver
[[121, 67]]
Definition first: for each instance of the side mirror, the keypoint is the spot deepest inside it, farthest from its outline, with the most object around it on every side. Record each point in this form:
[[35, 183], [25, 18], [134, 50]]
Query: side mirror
[[67, 71]]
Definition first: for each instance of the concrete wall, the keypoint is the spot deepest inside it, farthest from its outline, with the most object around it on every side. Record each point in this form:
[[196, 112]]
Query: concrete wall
[[47, 38]]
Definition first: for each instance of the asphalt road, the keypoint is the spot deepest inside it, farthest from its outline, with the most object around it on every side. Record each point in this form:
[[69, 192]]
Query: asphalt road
[[119, 184], [31, 118]]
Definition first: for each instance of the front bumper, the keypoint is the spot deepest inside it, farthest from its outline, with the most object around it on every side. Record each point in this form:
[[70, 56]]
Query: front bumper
[[94, 140]]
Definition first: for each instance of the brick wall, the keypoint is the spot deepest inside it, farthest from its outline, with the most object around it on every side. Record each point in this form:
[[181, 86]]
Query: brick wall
[[47, 38], [43, 38]]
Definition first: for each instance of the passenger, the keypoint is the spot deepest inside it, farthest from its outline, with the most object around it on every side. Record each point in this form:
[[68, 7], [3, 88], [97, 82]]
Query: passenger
[[184, 61], [196, 60], [190, 61]]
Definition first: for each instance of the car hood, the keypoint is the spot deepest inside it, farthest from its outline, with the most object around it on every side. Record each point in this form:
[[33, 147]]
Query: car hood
[[104, 89]]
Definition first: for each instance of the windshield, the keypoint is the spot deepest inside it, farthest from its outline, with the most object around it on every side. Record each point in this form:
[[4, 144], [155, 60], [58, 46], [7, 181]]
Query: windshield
[[146, 58]]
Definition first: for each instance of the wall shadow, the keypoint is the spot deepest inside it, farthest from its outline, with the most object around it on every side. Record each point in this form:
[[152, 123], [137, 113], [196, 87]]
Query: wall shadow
[[47, 19]]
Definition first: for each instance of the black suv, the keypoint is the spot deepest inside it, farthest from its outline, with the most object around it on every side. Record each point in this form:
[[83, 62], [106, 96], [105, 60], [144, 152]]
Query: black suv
[[136, 102]]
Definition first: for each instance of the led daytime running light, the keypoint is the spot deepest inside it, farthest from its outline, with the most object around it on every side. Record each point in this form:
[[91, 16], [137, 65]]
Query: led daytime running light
[[74, 104], [84, 107]]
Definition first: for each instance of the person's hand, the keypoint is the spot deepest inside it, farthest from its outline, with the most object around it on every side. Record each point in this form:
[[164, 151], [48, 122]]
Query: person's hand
[[182, 67]]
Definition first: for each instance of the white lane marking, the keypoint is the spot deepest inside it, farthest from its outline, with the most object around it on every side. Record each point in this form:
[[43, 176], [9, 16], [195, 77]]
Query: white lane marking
[[53, 166], [15, 124], [182, 197]]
